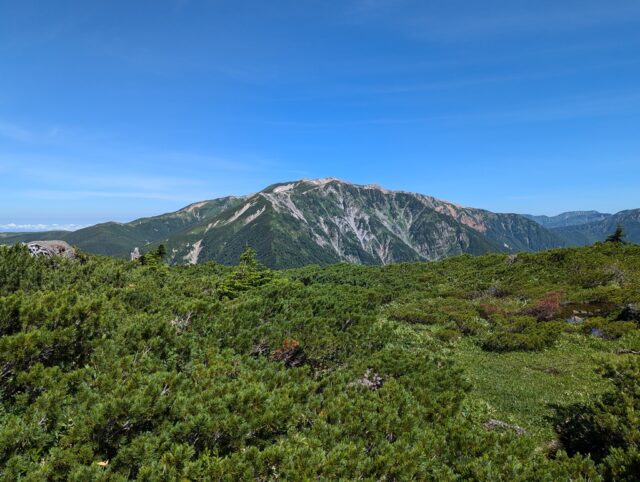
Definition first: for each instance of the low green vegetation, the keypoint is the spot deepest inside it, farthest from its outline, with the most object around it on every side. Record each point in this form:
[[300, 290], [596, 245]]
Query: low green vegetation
[[520, 367]]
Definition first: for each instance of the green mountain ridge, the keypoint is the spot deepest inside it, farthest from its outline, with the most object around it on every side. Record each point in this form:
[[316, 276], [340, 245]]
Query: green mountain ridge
[[323, 221], [327, 220], [570, 218]]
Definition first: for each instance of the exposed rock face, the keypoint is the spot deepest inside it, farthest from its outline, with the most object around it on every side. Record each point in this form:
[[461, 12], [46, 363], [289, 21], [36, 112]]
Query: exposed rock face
[[321, 221], [192, 257], [51, 248]]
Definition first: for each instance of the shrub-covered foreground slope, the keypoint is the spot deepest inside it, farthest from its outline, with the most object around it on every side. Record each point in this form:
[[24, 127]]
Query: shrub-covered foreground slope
[[459, 369]]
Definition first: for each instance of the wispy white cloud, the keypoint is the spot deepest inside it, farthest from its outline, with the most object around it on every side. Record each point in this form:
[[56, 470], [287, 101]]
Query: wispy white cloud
[[14, 227]]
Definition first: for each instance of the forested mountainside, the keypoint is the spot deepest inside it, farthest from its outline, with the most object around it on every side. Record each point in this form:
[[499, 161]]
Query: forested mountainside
[[319, 221], [495, 367]]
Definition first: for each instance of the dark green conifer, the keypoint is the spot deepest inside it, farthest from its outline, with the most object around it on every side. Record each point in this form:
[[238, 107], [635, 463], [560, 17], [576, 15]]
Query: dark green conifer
[[618, 236], [161, 251]]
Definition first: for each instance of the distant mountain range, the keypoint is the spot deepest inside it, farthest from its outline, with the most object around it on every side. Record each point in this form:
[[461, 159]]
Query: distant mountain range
[[598, 230], [328, 220], [571, 218]]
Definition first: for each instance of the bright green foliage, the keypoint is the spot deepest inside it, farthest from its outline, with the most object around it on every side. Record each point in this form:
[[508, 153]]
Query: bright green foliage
[[154, 258], [18, 270], [248, 274], [609, 428], [521, 334], [118, 370]]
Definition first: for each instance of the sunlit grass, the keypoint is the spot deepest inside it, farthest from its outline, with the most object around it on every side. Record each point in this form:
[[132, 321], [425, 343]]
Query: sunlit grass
[[522, 387]]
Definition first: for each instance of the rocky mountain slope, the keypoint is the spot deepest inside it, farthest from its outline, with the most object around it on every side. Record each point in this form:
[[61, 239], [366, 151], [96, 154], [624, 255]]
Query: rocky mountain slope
[[316, 221], [328, 220]]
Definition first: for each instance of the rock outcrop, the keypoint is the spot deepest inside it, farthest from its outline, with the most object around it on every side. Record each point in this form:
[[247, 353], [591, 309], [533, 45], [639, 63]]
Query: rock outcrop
[[51, 248], [493, 424]]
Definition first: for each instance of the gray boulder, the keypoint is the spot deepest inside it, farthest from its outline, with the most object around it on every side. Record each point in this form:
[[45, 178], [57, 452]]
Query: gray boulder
[[51, 248], [493, 424], [574, 320]]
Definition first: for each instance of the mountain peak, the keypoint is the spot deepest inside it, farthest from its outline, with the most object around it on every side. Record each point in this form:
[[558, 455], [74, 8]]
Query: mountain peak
[[320, 221], [323, 180]]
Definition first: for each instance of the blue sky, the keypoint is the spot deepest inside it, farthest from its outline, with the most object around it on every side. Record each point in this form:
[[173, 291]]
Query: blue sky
[[120, 109]]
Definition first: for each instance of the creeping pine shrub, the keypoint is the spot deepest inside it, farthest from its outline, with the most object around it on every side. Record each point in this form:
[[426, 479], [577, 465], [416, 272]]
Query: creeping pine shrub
[[104, 375], [412, 313], [433, 311], [447, 335], [18, 270], [557, 256], [521, 334], [609, 428], [611, 330], [471, 326], [492, 291]]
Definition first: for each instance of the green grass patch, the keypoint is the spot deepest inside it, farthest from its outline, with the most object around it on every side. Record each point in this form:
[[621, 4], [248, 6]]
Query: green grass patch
[[521, 387]]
